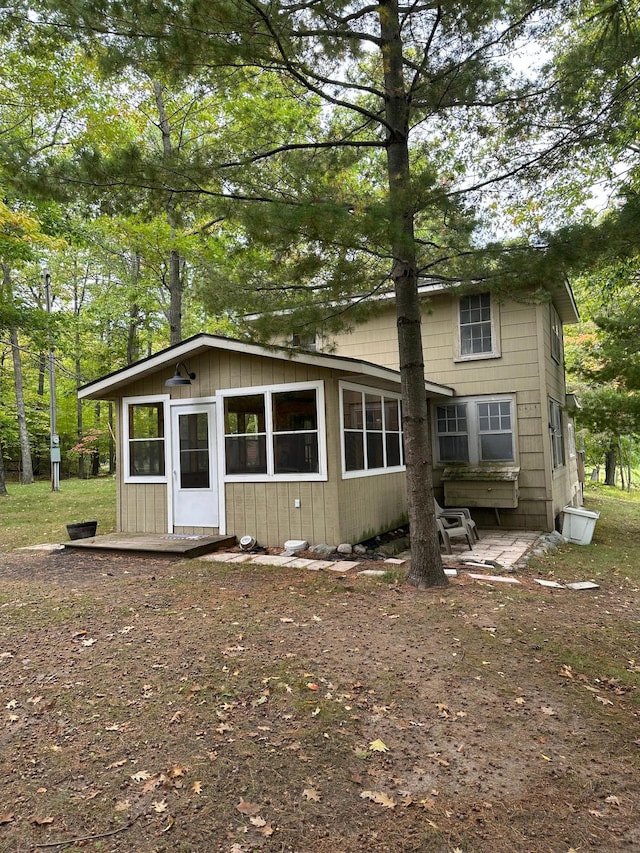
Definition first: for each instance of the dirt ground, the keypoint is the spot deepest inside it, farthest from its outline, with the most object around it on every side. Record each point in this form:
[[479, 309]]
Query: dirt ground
[[154, 705]]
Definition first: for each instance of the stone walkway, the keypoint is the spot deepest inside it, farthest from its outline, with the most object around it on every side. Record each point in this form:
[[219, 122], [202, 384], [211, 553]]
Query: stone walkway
[[504, 547]]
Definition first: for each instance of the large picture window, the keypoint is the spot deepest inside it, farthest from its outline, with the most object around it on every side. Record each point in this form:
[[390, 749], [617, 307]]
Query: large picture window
[[475, 431], [144, 439], [275, 432], [371, 430]]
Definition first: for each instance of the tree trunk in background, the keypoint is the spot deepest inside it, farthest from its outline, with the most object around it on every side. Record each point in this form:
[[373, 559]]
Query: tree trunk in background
[[3, 485], [175, 283], [610, 464], [133, 343], [426, 561], [25, 445]]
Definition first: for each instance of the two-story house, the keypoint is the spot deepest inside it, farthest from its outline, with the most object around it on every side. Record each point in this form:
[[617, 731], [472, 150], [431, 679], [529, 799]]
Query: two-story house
[[504, 444]]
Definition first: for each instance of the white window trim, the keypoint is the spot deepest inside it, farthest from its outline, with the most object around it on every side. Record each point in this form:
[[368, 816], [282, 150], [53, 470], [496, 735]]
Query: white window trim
[[473, 431], [495, 339], [367, 472], [571, 438], [165, 399], [556, 330], [554, 406], [268, 391]]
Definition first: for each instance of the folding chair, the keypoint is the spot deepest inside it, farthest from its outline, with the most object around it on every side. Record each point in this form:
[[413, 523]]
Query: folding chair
[[461, 513], [451, 531]]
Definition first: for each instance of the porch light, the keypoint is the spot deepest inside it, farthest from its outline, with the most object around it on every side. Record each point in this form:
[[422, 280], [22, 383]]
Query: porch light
[[177, 379]]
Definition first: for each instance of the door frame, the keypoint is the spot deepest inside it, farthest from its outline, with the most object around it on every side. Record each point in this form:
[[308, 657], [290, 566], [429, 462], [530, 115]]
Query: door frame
[[214, 458]]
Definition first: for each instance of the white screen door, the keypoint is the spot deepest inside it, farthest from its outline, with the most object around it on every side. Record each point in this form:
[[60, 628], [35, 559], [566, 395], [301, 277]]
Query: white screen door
[[195, 488]]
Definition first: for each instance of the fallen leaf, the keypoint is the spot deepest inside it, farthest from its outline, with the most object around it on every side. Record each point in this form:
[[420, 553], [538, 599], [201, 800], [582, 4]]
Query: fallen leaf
[[197, 787], [41, 821], [613, 800], [177, 717], [35, 699], [311, 794], [159, 806], [519, 700], [245, 807], [6, 818], [546, 709], [257, 821], [603, 700], [115, 764], [595, 813], [266, 830], [566, 671], [170, 821], [312, 686], [378, 746], [141, 775], [379, 797]]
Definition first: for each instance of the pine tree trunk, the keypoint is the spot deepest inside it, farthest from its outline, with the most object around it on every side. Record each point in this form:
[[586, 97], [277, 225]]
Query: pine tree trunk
[[426, 561]]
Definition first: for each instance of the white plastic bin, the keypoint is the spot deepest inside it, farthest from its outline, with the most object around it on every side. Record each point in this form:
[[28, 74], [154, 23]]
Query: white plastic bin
[[578, 524]]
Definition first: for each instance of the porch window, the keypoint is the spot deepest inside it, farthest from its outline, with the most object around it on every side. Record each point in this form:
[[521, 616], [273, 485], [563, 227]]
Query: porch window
[[275, 432], [371, 430], [144, 439], [245, 430], [295, 432], [475, 431], [557, 436]]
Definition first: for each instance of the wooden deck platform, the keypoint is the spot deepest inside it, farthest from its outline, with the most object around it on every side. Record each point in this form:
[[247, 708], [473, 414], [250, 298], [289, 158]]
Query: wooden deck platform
[[158, 544]]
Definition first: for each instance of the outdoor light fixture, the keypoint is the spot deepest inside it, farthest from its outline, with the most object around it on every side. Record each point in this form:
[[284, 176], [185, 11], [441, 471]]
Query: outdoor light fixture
[[177, 379]]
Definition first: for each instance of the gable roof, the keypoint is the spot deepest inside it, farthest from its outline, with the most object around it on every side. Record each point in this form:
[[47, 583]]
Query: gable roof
[[560, 292], [353, 368]]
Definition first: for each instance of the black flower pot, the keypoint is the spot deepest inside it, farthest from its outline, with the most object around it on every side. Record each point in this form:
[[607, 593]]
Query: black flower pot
[[82, 529]]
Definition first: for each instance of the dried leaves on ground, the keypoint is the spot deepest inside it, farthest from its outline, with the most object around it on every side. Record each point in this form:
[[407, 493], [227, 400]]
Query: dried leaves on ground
[[153, 706]]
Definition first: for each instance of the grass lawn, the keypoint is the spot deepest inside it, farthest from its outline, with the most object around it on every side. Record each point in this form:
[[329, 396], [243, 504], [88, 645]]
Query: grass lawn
[[33, 514], [166, 706]]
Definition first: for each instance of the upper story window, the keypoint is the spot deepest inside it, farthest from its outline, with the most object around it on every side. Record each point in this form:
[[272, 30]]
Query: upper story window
[[556, 335], [305, 341], [275, 432], [371, 431], [144, 439], [557, 435], [477, 327], [475, 430]]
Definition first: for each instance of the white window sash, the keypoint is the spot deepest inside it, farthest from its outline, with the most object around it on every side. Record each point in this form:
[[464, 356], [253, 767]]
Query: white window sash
[[127, 402], [268, 391]]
